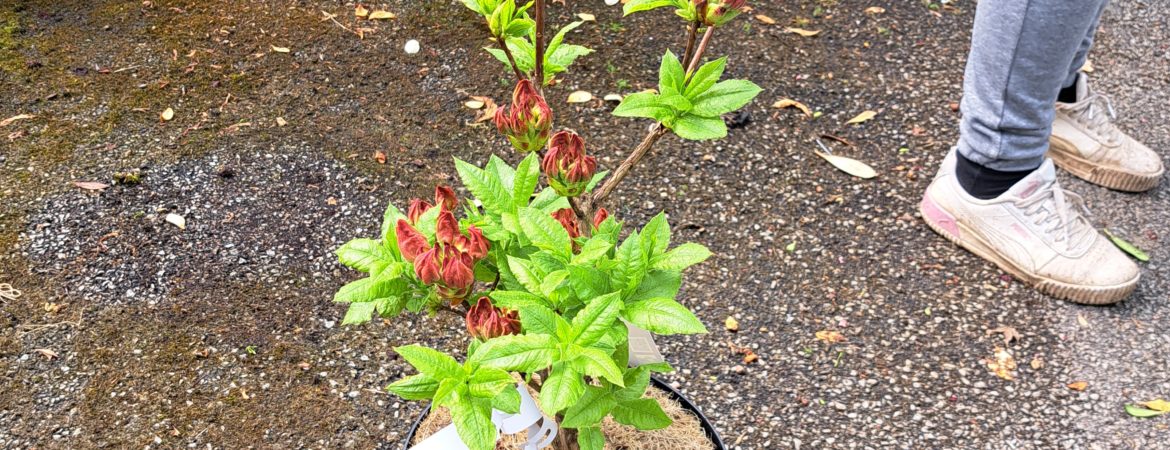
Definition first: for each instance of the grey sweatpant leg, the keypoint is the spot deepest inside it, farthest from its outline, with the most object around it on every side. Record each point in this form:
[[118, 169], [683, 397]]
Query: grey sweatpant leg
[[1022, 53]]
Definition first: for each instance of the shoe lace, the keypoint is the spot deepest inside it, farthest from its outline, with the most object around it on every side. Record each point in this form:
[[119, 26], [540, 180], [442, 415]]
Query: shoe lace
[[1059, 212], [1096, 111]]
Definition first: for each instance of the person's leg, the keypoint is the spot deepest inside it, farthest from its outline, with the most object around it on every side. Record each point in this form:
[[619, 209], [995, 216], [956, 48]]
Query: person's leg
[[1020, 54], [996, 195], [1068, 93]]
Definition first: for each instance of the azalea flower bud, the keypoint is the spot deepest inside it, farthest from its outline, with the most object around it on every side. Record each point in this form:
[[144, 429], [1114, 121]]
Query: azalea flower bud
[[528, 119], [599, 217], [418, 207], [447, 228], [477, 244], [458, 276], [426, 266], [567, 167], [485, 321], [445, 198], [568, 219], [718, 12], [410, 242]]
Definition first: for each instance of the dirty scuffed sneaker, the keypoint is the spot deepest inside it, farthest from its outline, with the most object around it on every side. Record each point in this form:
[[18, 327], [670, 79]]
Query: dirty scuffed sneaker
[[1036, 232], [1087, 143]]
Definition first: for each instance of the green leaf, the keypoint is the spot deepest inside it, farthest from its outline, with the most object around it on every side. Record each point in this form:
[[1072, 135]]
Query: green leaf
[[450, 391], [487, 382], [365, 255], [563, 57], [549, 201], [681, 257], [724, 97], [643, 414], [596, 363], [517, 353], [473, 420], [519, 301], [637, 380], [707, 75], [522, 270], [502, 171], [588, 282], [697, 128], [656, 235], [507, 401], [657, 283], [552, 281], [358, 313], [414, 387], [386, 284], [486, 187], [598, 316], [519, 27], [675, 101], [632, 263], [556, 41], [389, 224], [1138, 411], [634, 6], [538, 320], [594, 249], [590, 409], [563, 388], [436, 364], [1126, 246], [643, 104], [663, 316], [545, 232], [527, 177], [671, 75]]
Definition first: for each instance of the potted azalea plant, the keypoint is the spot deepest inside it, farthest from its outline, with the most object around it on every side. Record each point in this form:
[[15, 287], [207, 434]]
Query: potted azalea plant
[[552, 288]]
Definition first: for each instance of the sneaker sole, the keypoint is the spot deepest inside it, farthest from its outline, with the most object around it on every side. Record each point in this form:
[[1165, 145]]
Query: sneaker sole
[[1066, 156], [945, 225]]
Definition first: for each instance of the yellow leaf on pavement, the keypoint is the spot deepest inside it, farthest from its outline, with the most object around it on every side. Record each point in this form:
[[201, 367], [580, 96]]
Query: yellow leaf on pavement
[[1157, 405], [862, 117], [830, 337], [765, 19], [790, 103], [381, 14], [731, 324], [849, 165], [802, 31], [361, 11]]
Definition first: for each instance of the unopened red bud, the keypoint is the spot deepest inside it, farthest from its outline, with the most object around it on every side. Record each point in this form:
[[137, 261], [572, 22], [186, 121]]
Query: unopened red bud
[[485, 321], [426, 266], [568, 219], [411, 243], [445, 198], [599, 217], [418, 207]]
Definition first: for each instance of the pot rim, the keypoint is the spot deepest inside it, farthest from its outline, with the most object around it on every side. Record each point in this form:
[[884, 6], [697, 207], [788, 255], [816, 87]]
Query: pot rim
[[708, 428]]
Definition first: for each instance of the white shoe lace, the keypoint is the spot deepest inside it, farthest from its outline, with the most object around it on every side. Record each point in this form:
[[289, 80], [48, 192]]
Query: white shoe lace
[[1066, 218], [1096, 111]]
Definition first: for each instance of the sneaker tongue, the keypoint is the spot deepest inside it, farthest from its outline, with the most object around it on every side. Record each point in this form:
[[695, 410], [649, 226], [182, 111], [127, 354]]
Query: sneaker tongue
[[1042, 176]]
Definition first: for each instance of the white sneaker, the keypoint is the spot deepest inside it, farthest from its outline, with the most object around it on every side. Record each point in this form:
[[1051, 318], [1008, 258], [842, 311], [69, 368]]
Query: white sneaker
[[1034, 231], [1086, 143]]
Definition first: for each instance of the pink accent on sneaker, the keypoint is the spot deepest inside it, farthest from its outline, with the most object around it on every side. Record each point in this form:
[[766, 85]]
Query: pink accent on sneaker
[[938, 217], [1031, 189]]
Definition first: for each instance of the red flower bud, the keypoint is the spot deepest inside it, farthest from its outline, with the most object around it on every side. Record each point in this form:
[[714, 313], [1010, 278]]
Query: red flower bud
[[718, 12], [410, 242], [418, 207], [457, 272], [568, 219], [426, 266], [485, 321], [528, 119], [567, 167], [447, 228], [445, 198], [478, 245], [599, 217]]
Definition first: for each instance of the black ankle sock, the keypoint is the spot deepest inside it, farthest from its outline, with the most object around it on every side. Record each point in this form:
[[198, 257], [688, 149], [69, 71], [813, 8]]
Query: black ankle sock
[[1068, 94], [984, 183]]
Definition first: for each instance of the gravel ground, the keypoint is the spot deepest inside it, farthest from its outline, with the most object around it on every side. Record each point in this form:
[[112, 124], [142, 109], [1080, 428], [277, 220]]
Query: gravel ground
[[134, 333]]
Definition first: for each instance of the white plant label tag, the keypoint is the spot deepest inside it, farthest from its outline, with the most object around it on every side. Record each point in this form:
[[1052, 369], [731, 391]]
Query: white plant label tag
[[541, 429]]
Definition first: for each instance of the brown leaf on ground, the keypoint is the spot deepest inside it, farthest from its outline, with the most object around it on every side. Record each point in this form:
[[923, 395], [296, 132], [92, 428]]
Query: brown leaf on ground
[[765, 19], [790, 103], [48, 354], [802, 31], [382, 15], [830, 337], [863, 117], [361, 11], [8, 121], [91, 185], [1009, 334], [1078, 386], [875, 10], [380, 157]]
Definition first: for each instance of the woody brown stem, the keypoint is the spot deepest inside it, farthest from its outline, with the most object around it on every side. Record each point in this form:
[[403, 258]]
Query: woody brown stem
[[698, 57], [692, 33], [511, 60], [539, 44]]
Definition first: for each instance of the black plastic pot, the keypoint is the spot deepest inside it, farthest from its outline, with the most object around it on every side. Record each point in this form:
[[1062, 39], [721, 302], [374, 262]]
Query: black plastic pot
[[676, 395]]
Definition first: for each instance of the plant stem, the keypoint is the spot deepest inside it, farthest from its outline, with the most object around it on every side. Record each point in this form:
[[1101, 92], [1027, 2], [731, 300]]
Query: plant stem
[[698, 57], [507, 52], [692, 33], [539, 44], [566, 437]]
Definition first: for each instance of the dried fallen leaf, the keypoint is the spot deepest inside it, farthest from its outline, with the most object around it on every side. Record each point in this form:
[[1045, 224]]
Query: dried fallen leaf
[[280, 49], [380, 156], [167, 114], [1078, 386], [1009, 334], [830, 337], [580, 97], [1003, 364], [361, 11], [802, 31], [280, 122], [48, 354], [790, 103], [91, 185], [177, 220], [382, 15], [731, 324], [487, 110], [1157, 405], [765, 19], [1082, 320], [613, 98], [875, 10], [864, 116], [1127, 247], [6, 122], [587, 17], [749, 356], [849, 165], [474, 104]]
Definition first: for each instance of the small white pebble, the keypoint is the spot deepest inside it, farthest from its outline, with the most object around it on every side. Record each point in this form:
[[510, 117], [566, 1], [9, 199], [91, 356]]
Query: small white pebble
[[412, 47], [611, 2]]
